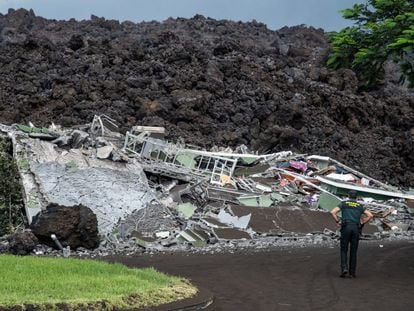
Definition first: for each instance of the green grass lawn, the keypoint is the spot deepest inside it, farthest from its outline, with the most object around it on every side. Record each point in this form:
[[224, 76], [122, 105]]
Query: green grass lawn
[[75, 282]]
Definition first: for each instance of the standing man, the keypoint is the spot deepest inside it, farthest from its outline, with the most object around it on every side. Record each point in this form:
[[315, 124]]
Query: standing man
[[350, 230]]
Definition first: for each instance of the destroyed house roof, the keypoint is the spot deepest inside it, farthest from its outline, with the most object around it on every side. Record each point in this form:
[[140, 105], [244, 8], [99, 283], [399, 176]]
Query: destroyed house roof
[[365, 189]]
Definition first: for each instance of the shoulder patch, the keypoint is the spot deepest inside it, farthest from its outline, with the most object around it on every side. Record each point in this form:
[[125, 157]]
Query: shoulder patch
[[352, 204]]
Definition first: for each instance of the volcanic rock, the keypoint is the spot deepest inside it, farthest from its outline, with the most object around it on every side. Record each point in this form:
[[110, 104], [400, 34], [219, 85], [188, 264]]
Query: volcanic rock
[[22, 243], [75, 226], [210, 82]]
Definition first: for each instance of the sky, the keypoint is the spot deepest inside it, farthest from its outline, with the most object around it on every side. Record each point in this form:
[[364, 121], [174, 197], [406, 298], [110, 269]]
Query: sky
[[274, 13]]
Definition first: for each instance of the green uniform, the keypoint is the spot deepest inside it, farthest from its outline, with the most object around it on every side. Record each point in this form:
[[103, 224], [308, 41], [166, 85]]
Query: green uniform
[[350, 231], [351, 211]]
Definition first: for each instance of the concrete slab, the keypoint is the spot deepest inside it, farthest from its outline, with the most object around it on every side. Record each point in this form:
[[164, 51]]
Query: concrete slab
[[231, 234], [112, 190], [213, 222], [282, 219]]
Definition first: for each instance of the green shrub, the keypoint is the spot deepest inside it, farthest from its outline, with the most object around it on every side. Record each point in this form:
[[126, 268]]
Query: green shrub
[[383, 30], [11, 200]]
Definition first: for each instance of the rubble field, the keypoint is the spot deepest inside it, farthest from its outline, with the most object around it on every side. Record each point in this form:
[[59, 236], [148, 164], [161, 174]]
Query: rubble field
[[210, 82], [97, 191]]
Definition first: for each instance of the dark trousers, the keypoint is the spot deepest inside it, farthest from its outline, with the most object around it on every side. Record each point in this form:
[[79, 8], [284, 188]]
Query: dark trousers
[[349, 235]]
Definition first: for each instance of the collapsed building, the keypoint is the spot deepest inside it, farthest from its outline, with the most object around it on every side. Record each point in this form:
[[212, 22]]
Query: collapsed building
[[148, 193]]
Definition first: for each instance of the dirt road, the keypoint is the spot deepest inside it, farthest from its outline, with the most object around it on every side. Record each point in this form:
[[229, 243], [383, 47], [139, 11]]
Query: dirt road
[[297, 279]]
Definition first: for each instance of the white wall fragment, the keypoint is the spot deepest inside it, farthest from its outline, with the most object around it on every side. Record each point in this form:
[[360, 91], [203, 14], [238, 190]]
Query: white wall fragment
[[112, 190], [238, 222]]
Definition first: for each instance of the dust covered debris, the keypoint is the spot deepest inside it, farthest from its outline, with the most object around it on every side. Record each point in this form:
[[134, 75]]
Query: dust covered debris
[[150, 194]]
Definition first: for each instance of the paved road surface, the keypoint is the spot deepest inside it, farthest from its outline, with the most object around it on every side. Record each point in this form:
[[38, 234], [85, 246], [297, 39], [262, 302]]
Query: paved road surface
[[297, 279]]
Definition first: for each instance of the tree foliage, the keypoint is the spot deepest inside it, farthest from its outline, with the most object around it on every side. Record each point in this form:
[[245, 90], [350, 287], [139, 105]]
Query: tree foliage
[[11, 201], [383, 30]]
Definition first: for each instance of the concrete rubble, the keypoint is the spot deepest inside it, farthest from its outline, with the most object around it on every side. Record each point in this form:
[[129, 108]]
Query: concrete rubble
[[151, 195]]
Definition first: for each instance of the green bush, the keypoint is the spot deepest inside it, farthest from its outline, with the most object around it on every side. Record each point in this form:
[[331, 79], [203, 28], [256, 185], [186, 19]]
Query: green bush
[[11, 200]]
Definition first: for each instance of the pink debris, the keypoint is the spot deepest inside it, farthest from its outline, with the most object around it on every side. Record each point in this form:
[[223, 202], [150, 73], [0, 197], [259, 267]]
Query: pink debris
[[299, 165]]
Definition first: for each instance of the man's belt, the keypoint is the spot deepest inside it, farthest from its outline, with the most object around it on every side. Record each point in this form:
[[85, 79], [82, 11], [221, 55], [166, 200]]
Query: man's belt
[[349, 223]]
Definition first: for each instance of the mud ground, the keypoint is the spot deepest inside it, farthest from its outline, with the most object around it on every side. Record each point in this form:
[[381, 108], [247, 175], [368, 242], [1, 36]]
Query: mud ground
[[297, 278]]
